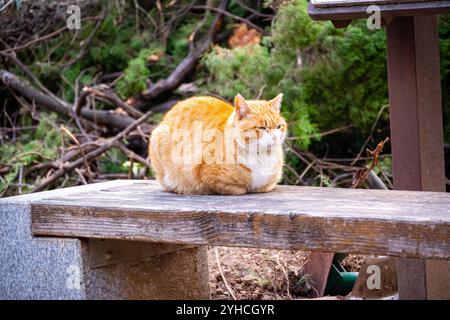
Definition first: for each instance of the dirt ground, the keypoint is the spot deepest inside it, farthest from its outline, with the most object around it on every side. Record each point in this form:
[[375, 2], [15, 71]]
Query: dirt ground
[[253, 274]]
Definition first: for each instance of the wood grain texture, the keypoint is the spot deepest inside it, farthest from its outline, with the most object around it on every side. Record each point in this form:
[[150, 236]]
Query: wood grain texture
[[388, 9], [397, 223], [347, 3]]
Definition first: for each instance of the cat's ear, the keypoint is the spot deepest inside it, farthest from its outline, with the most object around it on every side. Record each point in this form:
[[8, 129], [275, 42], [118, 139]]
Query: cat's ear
[[276, 102], [241, 106]]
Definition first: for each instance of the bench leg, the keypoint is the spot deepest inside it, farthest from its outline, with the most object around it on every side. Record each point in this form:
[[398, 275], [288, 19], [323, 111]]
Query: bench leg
[[116, 269], [423, 279], [318, 268], [35, 268], [65, 268]]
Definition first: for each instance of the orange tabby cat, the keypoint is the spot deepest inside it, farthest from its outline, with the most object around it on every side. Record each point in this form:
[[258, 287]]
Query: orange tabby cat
[[205, 146]]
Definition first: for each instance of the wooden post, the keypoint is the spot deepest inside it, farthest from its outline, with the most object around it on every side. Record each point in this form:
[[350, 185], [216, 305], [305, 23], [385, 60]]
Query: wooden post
[[417, 136], [318, 268]]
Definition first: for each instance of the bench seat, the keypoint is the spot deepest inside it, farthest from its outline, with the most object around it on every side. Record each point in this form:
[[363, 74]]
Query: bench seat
[[394, 223]]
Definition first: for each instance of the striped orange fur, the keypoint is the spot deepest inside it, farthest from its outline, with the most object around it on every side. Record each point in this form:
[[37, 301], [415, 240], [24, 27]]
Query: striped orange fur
[[235, 150]]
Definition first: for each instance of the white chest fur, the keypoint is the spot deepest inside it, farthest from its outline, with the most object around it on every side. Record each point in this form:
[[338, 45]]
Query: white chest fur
[[263, 169]]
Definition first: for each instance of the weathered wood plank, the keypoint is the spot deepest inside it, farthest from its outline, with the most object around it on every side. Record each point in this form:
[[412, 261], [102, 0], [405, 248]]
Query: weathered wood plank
[[350, 10], [397, 223], [348, 3]]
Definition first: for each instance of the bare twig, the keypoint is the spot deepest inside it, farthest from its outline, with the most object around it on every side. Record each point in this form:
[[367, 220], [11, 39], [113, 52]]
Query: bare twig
[[255, 12], [103, 117], [32, 77], [325, 133], [286, 277], [371, 133], [43, 38], [110, 96], [224, 12], [108, 143], [87, 42], [187, 65], [363, 174], [231, 291], [132, 155]]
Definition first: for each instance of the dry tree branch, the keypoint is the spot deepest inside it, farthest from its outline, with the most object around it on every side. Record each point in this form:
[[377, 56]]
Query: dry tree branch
[[87, 42], [28, 44], [107, 144], [132, 155], [231, 291], [198, 27], [31, 76], [295, 173], [325, 133], [105, 93], [43, 38], [104, 117], [335, 169], [283, 268], [371, 133], [187, 65], [74, 139], [235, 17], [71, 154], [255, 12], [364, 173]]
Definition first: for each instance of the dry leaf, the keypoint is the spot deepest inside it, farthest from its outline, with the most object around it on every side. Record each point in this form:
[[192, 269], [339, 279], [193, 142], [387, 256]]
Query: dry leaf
[[155, 57], [242, 36]]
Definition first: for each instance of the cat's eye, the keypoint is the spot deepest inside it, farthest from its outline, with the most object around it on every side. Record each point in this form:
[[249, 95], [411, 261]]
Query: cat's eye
[[261, 128], [279, 126]]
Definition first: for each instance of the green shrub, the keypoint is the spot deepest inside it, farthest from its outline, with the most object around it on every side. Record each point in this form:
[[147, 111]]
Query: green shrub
[[242, 70], [444, 36], [41, 144], [329, 77], [348, 84], [135, 75]]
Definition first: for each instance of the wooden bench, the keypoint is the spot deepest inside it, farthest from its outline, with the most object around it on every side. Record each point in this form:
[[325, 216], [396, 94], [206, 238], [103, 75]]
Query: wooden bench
[[131, 223]]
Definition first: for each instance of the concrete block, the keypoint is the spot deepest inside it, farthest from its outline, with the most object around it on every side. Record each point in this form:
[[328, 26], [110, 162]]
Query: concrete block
[[60, 268]]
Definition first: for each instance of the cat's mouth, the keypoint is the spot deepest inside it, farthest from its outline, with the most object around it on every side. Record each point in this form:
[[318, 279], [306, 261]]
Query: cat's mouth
[[268, 143]]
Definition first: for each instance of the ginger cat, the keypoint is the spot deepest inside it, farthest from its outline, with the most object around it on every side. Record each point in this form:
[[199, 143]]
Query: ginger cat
[[205, 146]]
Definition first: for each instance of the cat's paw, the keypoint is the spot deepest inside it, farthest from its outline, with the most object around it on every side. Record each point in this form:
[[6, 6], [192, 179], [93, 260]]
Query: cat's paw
[[231, 190], [263, 189]]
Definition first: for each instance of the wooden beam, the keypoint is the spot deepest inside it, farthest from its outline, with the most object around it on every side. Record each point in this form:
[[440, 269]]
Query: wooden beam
[[417, 135], [397, 223], [388, 10], [352, 3]]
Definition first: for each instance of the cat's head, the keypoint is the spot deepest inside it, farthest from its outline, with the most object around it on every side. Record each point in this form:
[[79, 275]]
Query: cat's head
[[259, 121]]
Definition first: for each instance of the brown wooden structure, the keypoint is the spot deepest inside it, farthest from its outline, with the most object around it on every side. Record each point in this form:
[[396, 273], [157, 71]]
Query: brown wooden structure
[[416, 112], [138, 221], [398, 223]]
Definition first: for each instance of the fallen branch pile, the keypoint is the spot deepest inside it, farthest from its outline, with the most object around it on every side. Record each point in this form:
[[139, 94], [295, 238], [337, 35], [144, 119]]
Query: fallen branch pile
[[99, 130], [95, 120]]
